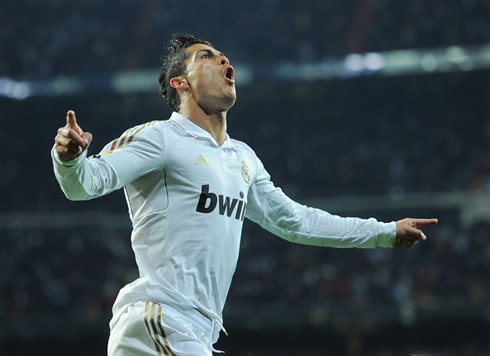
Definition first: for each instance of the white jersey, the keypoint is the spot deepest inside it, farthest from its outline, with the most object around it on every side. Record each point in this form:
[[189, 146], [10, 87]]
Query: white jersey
[[187, 199]]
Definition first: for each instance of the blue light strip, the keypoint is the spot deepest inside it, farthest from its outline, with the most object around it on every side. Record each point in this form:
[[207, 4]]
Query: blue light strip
[[390, 63]]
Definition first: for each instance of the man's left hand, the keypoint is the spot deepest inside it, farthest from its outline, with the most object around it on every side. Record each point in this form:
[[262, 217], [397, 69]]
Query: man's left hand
[[407, 232]]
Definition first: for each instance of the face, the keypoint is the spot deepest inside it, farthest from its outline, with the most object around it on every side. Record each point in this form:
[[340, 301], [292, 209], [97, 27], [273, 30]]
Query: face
[[210, 78]]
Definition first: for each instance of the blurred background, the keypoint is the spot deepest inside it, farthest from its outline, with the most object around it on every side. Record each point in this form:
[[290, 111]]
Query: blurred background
[[363, 108]]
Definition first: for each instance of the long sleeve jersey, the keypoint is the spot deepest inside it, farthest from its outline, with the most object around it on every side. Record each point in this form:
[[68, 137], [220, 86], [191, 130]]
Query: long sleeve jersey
[[187, 198]]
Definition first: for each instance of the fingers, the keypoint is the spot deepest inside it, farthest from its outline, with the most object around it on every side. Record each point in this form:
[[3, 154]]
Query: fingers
[[415, 234], [423, 222], [71, 120], [407, 235], [406, 242], [67, 154], [87, 138], [68, 143], [71, 134], [71, 141]]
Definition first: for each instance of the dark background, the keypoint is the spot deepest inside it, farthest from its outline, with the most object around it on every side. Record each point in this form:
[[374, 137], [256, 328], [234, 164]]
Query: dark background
[[371, 145]]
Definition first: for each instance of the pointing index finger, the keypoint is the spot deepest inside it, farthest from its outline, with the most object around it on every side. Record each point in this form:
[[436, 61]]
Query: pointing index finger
[[71, 119], [424, 222]]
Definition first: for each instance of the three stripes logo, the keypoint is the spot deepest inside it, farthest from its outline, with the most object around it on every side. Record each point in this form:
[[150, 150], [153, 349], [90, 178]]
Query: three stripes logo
[[128, 136], [155, 329]]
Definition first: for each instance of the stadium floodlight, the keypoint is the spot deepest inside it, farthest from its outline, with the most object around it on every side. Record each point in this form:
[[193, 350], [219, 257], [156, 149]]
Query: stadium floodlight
[[388, 63]]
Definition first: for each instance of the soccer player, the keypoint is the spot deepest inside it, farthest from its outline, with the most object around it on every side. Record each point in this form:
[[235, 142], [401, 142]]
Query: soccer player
[[189, 186]]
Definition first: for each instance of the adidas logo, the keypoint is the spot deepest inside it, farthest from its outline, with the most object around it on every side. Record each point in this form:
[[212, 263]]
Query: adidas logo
[[200, 161]]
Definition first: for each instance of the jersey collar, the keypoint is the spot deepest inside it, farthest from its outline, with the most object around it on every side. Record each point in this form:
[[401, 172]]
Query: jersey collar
[[196, 131]]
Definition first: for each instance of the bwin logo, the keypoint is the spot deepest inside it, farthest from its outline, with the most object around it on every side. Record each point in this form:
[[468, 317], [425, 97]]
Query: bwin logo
[[208, 201]]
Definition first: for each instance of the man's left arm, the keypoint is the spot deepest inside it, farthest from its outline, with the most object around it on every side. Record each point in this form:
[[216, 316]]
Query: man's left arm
[[269, 207]]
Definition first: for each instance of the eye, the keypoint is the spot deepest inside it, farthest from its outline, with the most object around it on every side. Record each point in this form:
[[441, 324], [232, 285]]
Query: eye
[[205, 56]]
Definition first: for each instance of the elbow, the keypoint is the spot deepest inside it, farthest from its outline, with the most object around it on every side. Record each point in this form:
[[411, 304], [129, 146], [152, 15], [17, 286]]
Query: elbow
[[76, 196]]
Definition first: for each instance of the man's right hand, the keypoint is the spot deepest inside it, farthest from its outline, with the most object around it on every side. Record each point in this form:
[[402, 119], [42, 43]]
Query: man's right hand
[[71, 140]]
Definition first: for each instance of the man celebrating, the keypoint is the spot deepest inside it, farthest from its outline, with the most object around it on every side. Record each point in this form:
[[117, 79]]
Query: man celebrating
[[189, 186]]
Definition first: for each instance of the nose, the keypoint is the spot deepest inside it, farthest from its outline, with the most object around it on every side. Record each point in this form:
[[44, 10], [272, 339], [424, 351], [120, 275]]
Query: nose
[[224, 61]]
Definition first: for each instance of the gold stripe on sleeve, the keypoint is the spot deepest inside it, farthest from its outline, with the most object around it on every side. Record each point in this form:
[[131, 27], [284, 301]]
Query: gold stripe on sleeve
[[157, 348], [134, 134], [159, 323], [126, 134], [114, 143], [155, 332], [129, 133], [121, 141]]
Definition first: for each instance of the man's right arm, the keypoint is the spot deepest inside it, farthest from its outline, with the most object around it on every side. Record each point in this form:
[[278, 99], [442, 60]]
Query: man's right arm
[[82, 179]]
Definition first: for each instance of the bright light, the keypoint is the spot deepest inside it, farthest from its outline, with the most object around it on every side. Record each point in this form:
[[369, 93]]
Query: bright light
[[354, 62], [456, 54], [374, 61], [13, 89], [429, 62]]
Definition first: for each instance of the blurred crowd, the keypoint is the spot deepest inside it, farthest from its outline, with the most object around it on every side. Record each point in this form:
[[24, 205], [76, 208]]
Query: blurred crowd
[[74, 275], [42, 39], [426, 275], [358, 137], [375, 136], [78, 272], [71, 272]]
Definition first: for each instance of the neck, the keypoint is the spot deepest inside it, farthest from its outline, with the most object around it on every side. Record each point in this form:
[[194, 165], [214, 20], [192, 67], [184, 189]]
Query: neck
[[214, 123]]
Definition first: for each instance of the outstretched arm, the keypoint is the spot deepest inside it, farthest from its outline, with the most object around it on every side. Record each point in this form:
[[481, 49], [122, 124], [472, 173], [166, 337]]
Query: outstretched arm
[[273, 210], [83, 178]]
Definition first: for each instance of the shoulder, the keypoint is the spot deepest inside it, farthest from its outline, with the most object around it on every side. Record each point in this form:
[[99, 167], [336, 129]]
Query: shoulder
[[149, 131], [249, 153], [242, 146], [251, 160]]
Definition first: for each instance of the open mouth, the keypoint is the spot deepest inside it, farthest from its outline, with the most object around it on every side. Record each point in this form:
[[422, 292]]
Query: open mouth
[[229, 74]]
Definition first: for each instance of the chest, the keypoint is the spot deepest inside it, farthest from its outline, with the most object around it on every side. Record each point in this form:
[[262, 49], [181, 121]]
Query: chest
[[194, 163]]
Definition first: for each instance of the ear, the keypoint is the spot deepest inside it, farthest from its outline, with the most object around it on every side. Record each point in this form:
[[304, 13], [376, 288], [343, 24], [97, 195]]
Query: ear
[[179, 83]]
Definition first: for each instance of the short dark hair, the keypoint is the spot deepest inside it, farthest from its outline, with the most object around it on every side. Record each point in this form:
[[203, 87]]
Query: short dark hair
[[173, 65]]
